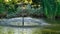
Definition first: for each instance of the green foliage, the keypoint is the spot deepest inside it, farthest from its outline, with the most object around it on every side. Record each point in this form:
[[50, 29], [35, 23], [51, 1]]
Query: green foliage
[[1, 1], [36, 1], [2, 8], [58, 6], [50, 8]]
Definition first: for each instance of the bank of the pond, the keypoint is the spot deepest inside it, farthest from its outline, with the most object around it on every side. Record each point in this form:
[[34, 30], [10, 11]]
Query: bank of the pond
[[53, 27], [52, 21]]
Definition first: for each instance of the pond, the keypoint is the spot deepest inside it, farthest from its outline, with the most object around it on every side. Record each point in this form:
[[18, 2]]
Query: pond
[[31, 26]]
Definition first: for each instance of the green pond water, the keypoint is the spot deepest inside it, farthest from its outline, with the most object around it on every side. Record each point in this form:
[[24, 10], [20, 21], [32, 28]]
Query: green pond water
[[53, 26]]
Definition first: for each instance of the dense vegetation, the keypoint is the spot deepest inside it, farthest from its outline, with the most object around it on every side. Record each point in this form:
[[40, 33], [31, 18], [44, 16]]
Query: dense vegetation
[[51, 8], [40, 8]]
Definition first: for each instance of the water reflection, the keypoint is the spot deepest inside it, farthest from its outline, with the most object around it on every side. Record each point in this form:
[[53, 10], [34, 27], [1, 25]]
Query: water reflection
[[28, 21], [54, 26], [12, 30]]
